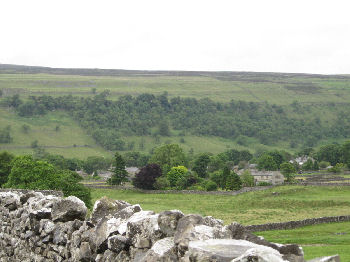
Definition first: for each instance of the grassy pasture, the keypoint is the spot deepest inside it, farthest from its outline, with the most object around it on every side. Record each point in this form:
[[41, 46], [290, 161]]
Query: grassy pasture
[[287, 203], [317, 240], [274, 89], [43, 129]]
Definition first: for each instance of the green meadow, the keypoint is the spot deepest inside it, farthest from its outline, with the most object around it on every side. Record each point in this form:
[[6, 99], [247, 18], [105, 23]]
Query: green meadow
[[274, 89], [317, 240], [69, 140], [278, 204]]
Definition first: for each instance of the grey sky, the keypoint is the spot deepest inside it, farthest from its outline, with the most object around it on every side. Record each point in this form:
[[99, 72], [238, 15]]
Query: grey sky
[[283, 36]]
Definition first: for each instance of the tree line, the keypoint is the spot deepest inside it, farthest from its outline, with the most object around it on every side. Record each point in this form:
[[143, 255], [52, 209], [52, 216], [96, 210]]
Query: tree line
[[109, 121]]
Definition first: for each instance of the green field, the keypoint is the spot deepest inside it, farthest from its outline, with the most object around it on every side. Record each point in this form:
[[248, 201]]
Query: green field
[[278, 89], [287, 203], [70, 140], [317, 240]]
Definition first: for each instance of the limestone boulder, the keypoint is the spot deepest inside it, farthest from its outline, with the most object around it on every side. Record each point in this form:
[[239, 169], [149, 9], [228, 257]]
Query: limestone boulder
[[106, 206], [225, 250], [164, 250], [168, 221], [10, 200], [143, 229], [260, 254], [68, 209]]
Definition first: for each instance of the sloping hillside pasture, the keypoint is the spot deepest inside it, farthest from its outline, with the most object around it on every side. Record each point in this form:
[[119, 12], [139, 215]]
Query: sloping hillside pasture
[[273, 89], [70, 140]]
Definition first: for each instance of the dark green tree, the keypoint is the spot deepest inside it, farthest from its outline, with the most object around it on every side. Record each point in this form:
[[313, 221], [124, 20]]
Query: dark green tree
[[26, 173], [5, 166], [226, 172], [5, 135], [233, 182], [346, 153], [200, 165], [120, 175], [247, 179], [164, 128], [266, 162], [308, 165], [25, 128], [288, 171], [168, 156]]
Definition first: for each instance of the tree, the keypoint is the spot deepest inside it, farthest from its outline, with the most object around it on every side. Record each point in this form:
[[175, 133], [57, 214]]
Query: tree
[[346, 153], [288, 171], [176, 174], [164, 128], [95, 163], [308, 165], [5, 135], [168, 156], [233, 182], [136, 159], [26, 173], [247, 179], [120, 175], [147, 177], [330, 153], [34, 144], [25, 128], [200, 165], [226, 172], [5, 166], [266, 162]]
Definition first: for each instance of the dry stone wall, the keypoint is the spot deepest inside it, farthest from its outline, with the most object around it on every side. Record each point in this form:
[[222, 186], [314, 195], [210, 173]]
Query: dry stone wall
[[37, 227], [297, 223]]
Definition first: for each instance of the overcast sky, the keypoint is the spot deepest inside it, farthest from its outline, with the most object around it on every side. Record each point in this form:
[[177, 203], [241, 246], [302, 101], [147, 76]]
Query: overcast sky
[[311, 36]]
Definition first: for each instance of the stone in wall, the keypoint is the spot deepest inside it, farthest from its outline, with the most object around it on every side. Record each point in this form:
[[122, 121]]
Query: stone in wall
[[38, 227]]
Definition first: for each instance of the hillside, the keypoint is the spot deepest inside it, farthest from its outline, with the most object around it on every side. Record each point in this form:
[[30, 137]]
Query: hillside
[[69, 140], [311, 107], [275, 88]]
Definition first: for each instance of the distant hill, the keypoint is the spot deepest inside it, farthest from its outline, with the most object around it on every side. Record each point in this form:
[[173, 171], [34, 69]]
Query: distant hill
[[322, 100]]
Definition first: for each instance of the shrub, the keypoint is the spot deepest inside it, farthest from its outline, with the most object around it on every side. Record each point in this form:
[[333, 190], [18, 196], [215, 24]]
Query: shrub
[[233, 182], [247, 179], [175, 174], [197, 187], [162, 183], [263, 183], [337, 168], [324, 164], [211, 186], [27, 173]]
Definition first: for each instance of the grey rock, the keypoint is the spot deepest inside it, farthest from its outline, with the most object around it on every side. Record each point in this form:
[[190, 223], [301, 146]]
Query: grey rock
[[118, 243], [143, 229], [85, 254], [105, 207], [224, 250], [68, 209], [163, 250], [168, 221]]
